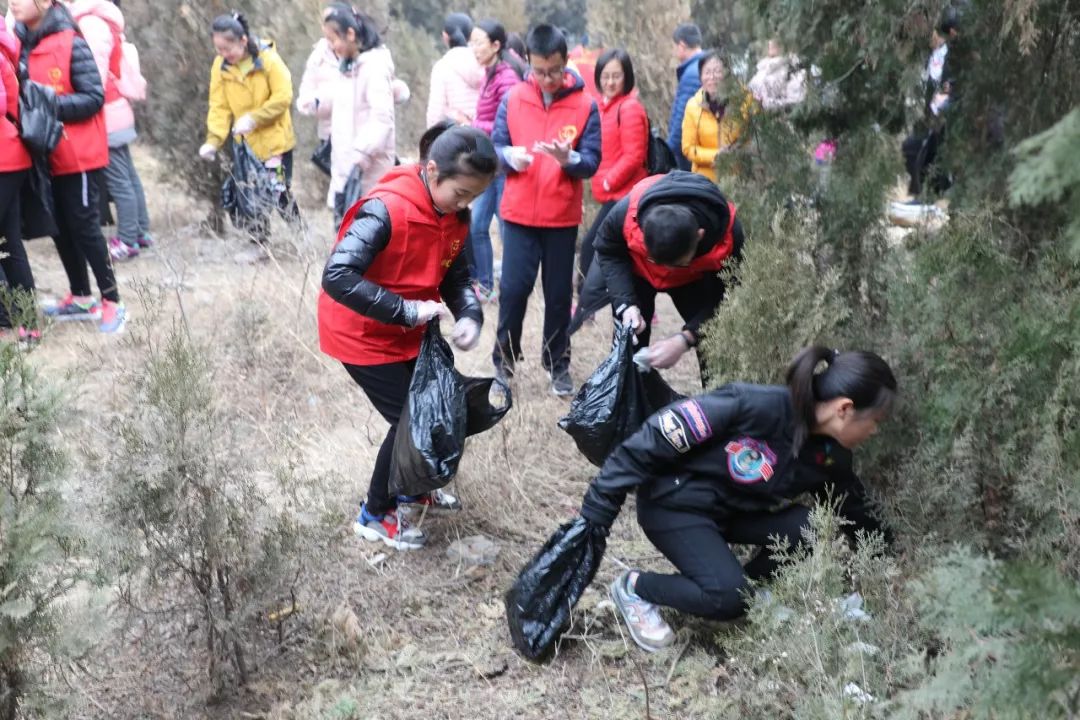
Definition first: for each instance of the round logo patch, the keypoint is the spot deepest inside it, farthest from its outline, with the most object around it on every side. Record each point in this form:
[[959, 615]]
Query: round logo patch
[[750, 461]]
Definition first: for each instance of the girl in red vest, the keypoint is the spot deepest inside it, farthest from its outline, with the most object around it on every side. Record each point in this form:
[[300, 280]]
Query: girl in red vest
[[624, 128], [56, 55], [397, 261], [673, 233], [14, 162]]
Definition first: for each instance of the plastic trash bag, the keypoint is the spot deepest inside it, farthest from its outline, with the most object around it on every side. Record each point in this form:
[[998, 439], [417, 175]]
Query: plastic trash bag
[[592, 298], [39, 126], [539, 604], [615, 401], [252, 191], [443, 408], [321, 156]]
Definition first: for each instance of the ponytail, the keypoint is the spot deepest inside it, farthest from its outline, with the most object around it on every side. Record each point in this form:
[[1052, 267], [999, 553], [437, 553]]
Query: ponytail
[[344, 18], [236, 25], [496, 34], [458, 150], [458, 27], [862, 377]]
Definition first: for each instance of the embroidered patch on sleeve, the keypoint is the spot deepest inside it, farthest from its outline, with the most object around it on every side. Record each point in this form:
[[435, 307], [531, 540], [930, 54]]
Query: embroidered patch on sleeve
[[674, 430], [694, 415]]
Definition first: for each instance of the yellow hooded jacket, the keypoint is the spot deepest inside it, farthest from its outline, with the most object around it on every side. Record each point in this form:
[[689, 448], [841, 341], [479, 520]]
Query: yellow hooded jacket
[[703, 137], [264, 92]]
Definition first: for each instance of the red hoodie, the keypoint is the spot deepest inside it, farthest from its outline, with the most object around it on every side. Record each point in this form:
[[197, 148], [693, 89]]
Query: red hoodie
[[423, 244], [13, 154]]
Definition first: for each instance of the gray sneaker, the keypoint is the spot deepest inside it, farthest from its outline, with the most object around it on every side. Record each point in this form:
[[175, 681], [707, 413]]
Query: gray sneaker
[[561, 384], [647, 627]]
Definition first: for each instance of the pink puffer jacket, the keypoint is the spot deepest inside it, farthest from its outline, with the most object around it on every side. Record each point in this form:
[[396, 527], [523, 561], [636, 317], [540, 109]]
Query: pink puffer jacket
[[499, 81], [362, 128], [456, 80], [98, 20], [320, 73]]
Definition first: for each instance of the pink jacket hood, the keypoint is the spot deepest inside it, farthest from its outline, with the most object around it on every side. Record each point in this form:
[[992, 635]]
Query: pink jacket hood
[[456, 81], [98, 8], [98, 20]]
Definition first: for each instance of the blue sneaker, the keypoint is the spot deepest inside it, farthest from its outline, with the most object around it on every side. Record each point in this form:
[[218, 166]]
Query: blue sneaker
[[113, 317], [73, 308]]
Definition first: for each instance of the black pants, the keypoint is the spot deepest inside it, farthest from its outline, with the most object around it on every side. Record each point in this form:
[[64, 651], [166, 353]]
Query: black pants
[[920, 153], [585, 256], [14, 266], [711, 583], [387, 387], [527, 250], [79, 240], [689, 300]]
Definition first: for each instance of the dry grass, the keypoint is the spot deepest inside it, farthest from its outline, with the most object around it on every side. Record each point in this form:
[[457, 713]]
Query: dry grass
[[433, 642]]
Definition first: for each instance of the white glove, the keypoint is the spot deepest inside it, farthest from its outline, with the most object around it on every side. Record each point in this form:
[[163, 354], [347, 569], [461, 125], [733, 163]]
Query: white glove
[[208, 152], [466, 333], [424, 311], [519, 158], [244, 125], [631, 317]]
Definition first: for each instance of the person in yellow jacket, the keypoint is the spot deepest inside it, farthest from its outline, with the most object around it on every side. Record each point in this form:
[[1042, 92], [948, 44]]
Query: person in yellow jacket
[[251, 95], [711, 125]]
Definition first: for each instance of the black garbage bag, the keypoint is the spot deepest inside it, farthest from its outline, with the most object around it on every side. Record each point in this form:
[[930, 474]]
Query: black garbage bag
[[443, 408], [39, 126], [251, 191], [615, 401], [321, 156], [539, 604]]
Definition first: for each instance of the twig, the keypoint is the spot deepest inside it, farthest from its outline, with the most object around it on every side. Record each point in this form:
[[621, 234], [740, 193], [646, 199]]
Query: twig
[[675, 662], [645, 684]]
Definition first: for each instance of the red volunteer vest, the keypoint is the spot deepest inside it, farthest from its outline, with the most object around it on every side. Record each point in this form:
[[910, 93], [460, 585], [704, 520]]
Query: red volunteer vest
[[665, 277], [83, 146], [413, 264], [543, 195]]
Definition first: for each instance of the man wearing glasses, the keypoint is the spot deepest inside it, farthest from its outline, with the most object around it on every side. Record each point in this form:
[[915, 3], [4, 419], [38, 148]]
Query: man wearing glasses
[[547, 133]]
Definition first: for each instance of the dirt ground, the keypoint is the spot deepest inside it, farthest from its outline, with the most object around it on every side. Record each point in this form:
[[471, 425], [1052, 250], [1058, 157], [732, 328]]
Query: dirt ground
[[430, 639]]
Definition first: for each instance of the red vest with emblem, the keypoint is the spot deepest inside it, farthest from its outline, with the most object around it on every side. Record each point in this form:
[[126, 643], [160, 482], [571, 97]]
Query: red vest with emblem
[[665, 277], [544, 195], [422, 247], [83, 146]]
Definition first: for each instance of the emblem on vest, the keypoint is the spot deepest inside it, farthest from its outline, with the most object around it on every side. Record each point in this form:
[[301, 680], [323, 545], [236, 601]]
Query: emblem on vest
[[750, 461], [568, 133], [55, 76]]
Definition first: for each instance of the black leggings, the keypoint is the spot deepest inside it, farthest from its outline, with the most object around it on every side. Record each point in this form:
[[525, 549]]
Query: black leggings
[[14, 266], [79, 240], [711, 583], [387, 387]]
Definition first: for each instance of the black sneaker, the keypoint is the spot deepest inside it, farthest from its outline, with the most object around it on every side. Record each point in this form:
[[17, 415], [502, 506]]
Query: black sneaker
[[561, 384]]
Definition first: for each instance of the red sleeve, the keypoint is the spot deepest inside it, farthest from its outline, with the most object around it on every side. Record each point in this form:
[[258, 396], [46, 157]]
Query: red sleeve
[[633, 137], [11, 89]]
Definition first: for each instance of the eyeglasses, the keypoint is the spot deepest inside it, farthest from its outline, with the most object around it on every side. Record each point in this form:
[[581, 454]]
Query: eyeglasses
[[553, 73], [714, 72], [611, 78]]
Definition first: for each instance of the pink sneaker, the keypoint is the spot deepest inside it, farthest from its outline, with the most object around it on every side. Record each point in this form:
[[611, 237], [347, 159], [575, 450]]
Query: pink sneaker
[[121, 251]]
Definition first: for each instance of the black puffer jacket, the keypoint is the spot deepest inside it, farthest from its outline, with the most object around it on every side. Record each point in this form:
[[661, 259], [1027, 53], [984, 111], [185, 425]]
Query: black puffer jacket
[[367, 236], [722, 454], [89, 95], [710, 207]]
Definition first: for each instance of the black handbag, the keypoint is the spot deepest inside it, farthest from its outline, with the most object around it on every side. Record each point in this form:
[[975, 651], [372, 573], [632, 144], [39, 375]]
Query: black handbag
[[39, 127]]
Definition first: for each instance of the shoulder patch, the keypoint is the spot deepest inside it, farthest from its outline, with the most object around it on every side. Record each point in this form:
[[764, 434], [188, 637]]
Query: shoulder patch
[[750, 461], [694, 415], [674, 430]]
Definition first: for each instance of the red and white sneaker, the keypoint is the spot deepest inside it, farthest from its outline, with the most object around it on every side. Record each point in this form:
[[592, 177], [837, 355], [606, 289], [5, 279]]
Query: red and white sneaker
[[393, 529]]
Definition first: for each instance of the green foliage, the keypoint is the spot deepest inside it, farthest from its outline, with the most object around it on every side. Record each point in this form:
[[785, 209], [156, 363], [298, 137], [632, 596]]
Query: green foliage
[[195, 519], [1048, 172], [42, 543], [1011, 641]]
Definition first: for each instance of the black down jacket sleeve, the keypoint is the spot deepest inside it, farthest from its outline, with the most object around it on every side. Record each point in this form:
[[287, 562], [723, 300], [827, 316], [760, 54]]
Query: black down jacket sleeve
[[456, 291], [614, 257], [89, 95], [343, 277]]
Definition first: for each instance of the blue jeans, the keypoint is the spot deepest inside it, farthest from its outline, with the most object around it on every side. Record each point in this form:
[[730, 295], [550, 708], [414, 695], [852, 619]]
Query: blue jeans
[[481, 257]]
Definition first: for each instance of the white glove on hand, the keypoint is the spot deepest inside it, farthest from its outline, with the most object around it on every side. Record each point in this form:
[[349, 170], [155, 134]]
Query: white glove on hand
[[667, 352], [244, 125], [466, 333], [631, 317], [208, 152], [519, 158], [424, 311]]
